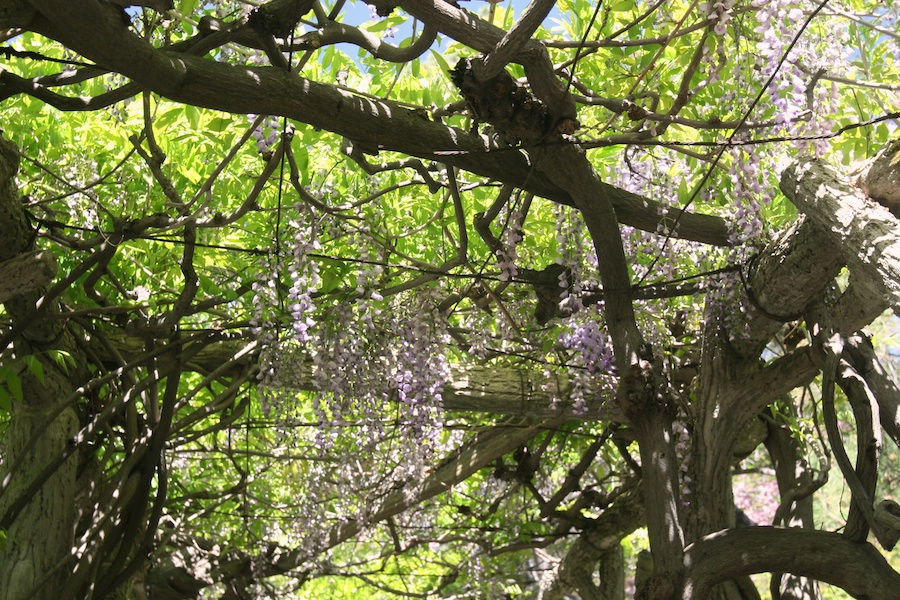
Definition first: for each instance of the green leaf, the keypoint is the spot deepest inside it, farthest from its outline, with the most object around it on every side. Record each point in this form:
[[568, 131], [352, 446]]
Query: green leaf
[[168, 117], [622, 6], [14, 385], [439, 59], [5, 401], [62, 359], [186, 7], [219, 124], [209, 286], [193, 176], [35, 367], [383, 24], [193, 116]]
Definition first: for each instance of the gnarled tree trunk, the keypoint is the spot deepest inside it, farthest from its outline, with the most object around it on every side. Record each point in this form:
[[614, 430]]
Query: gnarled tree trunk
[[37, 505]]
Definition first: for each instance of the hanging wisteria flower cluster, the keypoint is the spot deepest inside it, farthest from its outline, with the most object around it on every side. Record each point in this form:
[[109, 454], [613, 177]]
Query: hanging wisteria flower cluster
[[592, 368], [748, 196], [777, 26], [375, 366], [570, 230], [728, 301], [794, 90], [265, 134], [264, 328], [365, 357], [720, 12], [510, 238], [421, 367], [347, 372], [304, 274]]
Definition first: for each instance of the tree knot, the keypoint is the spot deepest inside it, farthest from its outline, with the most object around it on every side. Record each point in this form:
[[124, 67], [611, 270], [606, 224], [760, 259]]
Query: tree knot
[[513, 111]]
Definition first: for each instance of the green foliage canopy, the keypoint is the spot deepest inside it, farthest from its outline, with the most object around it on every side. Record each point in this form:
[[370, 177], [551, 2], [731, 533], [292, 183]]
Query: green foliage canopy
[[346, 314]]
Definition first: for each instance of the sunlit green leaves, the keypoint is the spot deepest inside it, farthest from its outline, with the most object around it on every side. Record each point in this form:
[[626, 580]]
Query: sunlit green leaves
[[239, 477], [186, 7], [11, 387]]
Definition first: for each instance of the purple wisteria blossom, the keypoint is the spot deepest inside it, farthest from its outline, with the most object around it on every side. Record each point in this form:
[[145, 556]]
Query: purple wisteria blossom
[[266, 134], [304, 274], [421, 369], [727, 297], [748, 195], [592, 359], [510, 238], [720, 12], [570, 230]]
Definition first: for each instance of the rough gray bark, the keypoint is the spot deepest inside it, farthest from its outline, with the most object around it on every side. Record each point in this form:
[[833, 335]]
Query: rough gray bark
[[790, 278], [715, 435], [882, 179], [795, 486], [578, 566], [36, 557], [519, 392], [865, 232], [785, 282], [42, 484], [882, 385], [642, 394], [26, 273], [857, 568], [612, 574], [868, 445]]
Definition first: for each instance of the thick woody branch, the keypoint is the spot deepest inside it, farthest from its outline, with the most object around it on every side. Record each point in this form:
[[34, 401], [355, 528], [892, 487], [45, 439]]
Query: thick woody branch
[[335, 33], [880, 382], [518, 35], [475, 455], [857, 568], [12, 85], [783, 281], [26, 273], [641, 394], [580, 562], [484, 37], [865, 232], [868, 444], [91, 30], [493, 389]]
